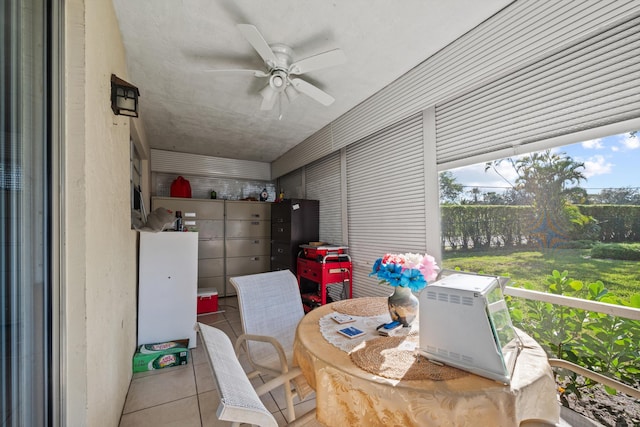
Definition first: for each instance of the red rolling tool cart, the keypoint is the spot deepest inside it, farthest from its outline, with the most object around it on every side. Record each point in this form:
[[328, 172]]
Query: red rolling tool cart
[[320, 268]]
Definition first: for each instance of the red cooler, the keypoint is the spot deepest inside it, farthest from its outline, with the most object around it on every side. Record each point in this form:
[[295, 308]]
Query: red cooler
[[207, 300]]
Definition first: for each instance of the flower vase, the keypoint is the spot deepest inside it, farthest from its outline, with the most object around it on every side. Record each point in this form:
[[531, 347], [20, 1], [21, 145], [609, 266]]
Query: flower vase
[[403, 305]]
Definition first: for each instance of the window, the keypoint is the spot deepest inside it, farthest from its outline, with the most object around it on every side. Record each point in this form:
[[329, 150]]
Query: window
[[541, 211], [27, 336], [138, 213]]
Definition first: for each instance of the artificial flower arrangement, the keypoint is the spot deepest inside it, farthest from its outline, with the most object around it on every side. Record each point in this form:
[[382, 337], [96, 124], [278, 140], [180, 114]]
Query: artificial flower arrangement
[[406, 270]]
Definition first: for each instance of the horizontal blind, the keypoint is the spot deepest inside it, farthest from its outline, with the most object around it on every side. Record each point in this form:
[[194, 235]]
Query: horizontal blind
[[197, 164], [385, 215], [592, 83], [515, 36], [323, 182], [315, 147]]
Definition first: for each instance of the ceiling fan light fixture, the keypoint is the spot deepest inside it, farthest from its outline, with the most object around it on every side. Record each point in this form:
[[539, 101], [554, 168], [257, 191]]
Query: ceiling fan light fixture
[[267, 92], [277, 81], [291, 93]]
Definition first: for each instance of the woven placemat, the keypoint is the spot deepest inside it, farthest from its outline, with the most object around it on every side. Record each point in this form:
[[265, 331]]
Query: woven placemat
[[366, 306], [394, 358]]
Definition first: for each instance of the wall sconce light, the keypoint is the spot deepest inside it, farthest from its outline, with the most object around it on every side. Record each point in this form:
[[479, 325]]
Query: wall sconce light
[[124, 97]]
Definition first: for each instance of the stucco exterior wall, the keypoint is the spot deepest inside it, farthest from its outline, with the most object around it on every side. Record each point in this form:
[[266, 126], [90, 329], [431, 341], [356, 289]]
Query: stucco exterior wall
[[99, 283]]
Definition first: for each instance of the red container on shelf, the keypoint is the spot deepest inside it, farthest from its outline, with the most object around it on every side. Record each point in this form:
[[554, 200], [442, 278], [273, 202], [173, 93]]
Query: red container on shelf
[[207, 300]]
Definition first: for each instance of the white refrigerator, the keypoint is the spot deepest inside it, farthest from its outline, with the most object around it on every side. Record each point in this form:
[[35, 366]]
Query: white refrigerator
[[168, 282]]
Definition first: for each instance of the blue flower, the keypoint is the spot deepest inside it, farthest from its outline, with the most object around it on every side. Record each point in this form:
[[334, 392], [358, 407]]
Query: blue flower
[[413, 279], [376, 267], [395, 275]]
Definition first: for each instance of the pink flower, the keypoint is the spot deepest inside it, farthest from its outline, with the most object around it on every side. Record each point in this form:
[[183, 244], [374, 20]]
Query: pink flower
[[429, 268]]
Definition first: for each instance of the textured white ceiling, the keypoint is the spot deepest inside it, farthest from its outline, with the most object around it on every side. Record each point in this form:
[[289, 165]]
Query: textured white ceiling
[[169, 44]]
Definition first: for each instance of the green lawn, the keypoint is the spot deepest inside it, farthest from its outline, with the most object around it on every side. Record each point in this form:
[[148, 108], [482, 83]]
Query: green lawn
[[621, 278]]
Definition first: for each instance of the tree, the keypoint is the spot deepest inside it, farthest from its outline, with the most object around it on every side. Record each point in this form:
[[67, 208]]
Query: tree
[[450, 190], [550, 181], [578, 195], [547, 177], [475, 192], [619, 196], [493, 198]]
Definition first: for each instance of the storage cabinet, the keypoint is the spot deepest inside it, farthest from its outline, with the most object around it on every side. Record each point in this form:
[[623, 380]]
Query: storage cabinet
[[247, 236], [207, 218], [293, 222]]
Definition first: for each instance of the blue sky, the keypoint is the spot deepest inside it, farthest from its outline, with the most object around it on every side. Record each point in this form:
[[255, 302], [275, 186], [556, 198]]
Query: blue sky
[[610, 162]]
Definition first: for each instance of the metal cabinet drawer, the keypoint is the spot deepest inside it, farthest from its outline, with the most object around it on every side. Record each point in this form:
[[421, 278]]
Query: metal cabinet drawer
[[248, 210], [192, 208], [281, 231], [281, 212], [247, 247], [212, 282], [207, 228], [213, 248], [240, 266], [281, 249], [209, 267], [241, 228], [282, 260]]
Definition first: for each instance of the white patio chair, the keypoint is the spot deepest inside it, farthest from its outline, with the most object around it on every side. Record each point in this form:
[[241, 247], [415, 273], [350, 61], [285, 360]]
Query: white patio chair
[[239, 401], [270, 309]]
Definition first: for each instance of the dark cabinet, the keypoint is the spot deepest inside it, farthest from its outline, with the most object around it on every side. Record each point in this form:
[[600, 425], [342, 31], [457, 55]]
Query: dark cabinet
[[294, 222]]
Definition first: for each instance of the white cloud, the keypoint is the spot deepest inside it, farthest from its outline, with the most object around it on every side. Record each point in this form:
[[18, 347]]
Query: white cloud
[[631, 142], [593, 144], [475, 176], [597, 165]]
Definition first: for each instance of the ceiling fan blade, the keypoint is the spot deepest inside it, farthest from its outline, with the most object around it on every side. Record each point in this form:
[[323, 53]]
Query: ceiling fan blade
[[256, 73], [319, 61], [269, 98], [253, 36], [313, 92]]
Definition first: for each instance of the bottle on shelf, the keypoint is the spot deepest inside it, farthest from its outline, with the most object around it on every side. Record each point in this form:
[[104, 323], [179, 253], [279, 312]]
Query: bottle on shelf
[[214, 195], [179, 226]]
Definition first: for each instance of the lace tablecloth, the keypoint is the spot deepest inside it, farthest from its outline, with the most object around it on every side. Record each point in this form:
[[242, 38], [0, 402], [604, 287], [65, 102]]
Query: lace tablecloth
[[329, 330]]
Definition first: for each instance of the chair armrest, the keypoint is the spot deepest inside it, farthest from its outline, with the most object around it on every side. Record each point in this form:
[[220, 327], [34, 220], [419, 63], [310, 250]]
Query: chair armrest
[[284, 364]]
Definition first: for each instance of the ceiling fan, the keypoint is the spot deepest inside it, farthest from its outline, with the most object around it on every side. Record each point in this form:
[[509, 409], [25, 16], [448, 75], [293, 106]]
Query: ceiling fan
[[281, 70]]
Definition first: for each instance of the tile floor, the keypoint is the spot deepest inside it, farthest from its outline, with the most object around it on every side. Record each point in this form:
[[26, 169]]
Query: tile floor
[[186, 396]]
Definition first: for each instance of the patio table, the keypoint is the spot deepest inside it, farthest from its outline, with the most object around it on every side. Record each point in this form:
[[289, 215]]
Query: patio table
[[346, 394]]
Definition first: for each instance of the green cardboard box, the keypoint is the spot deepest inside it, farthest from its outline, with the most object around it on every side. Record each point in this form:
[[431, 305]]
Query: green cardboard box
[[149, 357]]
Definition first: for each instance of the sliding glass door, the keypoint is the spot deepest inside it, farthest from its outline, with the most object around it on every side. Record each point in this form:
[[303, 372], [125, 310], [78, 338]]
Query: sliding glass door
[[25, 209]]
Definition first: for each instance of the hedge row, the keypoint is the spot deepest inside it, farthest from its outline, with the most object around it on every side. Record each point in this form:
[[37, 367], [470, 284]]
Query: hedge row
[[481, 226]]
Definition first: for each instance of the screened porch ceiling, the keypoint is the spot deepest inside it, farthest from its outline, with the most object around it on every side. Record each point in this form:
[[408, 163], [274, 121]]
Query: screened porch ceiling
[[169, 46]]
